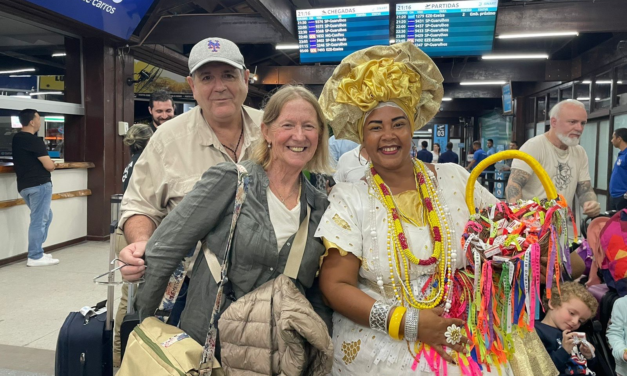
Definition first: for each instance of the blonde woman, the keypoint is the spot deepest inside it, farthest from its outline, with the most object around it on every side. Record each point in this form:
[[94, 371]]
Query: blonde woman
[[294, 138]]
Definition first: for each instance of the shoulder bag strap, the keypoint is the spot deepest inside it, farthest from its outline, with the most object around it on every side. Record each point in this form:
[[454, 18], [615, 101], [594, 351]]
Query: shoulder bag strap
[[208, 353], [295, 257]]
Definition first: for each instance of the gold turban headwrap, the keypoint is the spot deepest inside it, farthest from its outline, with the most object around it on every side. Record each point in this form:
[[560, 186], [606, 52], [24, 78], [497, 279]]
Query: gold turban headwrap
[[400, 73]]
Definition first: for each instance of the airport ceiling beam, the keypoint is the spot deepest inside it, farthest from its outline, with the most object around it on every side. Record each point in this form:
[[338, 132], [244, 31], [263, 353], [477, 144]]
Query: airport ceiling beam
[[583, 16], [281, 15], [191, 28], [475, 71]]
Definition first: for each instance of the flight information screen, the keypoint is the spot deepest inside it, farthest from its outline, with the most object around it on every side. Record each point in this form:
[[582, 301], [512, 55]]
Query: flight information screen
[[449, 28], [330, 34]]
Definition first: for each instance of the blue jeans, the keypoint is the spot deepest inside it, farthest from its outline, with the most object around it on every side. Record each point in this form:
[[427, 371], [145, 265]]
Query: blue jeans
[[38, 201]]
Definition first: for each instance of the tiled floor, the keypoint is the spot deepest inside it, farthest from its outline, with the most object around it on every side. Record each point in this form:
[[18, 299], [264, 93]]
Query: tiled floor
[[34, 303]]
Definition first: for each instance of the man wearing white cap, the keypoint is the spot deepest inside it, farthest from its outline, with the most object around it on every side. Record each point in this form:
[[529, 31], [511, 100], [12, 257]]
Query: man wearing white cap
[[219, 129]]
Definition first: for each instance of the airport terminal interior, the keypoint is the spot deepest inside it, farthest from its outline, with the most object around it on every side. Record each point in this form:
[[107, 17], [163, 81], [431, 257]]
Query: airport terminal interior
[[90, 67]]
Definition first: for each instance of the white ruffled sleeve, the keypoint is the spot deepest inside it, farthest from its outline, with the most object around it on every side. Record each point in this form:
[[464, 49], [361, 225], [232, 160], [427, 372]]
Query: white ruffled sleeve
[[341, 224]]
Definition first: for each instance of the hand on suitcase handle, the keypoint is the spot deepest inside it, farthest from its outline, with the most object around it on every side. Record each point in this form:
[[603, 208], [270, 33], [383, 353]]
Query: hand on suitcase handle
[[132, 255]]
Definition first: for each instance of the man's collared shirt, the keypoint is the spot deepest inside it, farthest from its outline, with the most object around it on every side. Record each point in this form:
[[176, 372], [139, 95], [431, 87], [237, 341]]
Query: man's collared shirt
[[618, 181], [425, 156], [175, 159]]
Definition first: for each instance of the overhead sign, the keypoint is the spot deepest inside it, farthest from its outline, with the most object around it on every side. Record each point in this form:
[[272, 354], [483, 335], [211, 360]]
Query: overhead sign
[[508, 108], [330, 34], [117, 17], [452, 28], [440, 135]]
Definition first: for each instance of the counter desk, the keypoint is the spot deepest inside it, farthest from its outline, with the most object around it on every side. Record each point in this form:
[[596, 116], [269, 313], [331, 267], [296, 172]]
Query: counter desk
[[69, 210]]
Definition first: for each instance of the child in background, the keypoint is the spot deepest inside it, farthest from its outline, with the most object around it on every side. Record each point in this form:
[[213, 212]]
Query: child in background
[[617, 335], [558, 330]]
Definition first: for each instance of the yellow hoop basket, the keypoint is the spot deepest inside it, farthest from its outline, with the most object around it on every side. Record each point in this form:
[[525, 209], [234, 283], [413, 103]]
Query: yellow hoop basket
[[549, 187]]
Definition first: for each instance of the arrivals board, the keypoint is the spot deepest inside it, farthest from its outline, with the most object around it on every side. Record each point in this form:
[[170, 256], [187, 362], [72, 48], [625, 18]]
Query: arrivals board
[[449, 28], [330, 34]]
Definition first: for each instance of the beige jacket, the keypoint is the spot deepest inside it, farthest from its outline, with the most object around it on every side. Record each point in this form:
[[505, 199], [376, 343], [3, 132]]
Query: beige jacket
[[274, 331]]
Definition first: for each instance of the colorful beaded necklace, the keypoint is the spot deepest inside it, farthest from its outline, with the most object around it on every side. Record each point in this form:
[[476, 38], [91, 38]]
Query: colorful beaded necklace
[[400, 247]]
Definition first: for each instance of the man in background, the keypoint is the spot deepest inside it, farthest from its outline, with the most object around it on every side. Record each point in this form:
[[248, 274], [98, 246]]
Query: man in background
[[618, 181], [513, 145], [449, 156], [32, 166], [424, 154], [161, 108], [337, 148], [559, 152], [478, 155]]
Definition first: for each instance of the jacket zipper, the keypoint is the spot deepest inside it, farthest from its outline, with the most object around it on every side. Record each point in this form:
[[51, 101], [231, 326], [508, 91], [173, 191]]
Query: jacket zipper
[[157, 350]]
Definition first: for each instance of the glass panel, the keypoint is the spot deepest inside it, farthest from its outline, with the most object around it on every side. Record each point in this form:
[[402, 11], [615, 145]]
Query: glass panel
[[35, 61], [540, 128], [619, 122], [529, 134], [589, 143], [582, 93], [567, 93], [54, 126], [541, 109], [603, 87], [552, 100], [603, 145], [529, 110], [603, 201], [621, 88]]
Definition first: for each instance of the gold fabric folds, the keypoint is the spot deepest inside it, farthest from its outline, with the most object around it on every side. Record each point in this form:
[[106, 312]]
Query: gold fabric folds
[[530, 357], [378, 81], [400, 73]]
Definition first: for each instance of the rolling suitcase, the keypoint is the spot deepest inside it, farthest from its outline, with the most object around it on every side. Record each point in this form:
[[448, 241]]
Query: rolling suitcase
[[131, 320], [85, 343]]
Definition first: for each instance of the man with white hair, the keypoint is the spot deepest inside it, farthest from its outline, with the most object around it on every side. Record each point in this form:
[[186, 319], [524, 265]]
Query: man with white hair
[[559, 152]]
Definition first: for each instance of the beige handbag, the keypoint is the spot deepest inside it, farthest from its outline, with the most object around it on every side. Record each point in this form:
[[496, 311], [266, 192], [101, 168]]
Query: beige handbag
[[161, 349]]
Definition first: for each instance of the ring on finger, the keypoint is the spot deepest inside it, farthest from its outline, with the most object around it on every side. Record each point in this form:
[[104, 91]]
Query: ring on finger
[[453, 334]]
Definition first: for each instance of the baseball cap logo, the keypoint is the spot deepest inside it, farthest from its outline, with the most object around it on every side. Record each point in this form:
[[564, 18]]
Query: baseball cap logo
[[213, 45]]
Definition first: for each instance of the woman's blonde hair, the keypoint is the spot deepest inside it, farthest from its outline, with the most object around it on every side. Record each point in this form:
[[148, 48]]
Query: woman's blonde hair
[[137, 137], [571, 290], [262, 154]]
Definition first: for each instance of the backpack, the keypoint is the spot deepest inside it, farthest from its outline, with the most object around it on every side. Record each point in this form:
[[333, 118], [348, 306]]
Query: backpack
[[614, 246]]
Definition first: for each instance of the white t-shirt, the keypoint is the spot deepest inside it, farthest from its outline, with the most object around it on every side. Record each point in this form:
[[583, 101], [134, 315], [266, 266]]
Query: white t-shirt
[[351, 167], [284, 221], [436, 156], [565, 167]]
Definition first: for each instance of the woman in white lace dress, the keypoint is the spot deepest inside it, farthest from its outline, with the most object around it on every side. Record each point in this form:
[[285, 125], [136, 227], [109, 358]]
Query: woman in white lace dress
[[391, 271]]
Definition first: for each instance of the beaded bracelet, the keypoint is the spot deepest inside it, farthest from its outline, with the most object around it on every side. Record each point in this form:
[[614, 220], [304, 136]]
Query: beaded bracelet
[[395, 323], [411, 324], [379, 316]]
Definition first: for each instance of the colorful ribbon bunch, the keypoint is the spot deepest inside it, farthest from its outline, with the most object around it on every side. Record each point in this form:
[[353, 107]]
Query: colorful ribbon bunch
[[504, 244]]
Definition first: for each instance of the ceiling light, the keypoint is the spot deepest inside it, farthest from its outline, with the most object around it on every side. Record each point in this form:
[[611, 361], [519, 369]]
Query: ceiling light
[[483, 83], [59, 54], [447, 99], [587, 99], [392, 40], [539, 35], [18, 70], [287, 46], [511, 57], [601, 82], [19, 75], [46, 93]]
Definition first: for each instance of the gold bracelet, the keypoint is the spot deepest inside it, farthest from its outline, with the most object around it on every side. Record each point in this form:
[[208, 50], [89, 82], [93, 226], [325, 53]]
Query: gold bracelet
[[395, 323]]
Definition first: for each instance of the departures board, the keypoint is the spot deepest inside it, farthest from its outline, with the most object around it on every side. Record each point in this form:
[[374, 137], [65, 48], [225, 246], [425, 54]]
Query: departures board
[[450, 28], [330, 34]]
